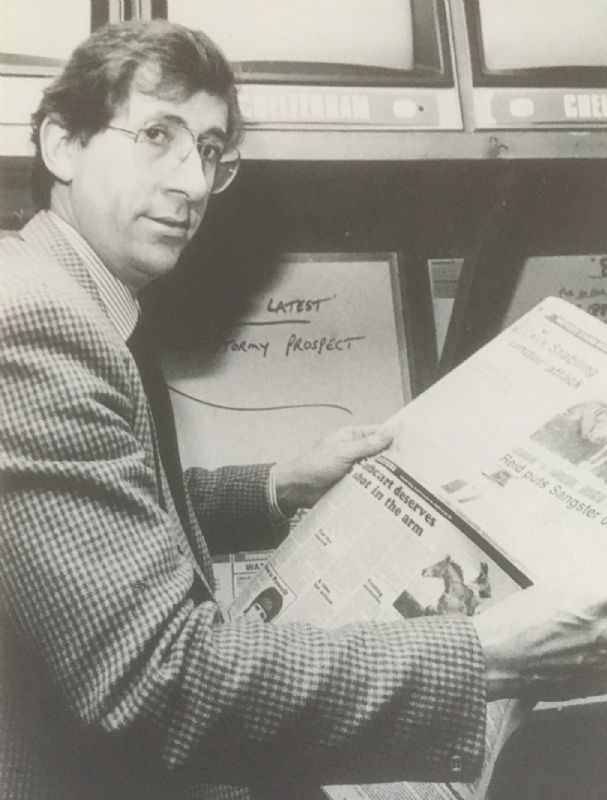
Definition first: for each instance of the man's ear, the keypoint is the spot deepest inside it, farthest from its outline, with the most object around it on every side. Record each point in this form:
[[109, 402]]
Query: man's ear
[[57, 148]]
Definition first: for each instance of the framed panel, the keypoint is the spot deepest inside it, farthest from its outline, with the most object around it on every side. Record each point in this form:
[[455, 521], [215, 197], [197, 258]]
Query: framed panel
[[321, 346], [579, 279], [443, 276]]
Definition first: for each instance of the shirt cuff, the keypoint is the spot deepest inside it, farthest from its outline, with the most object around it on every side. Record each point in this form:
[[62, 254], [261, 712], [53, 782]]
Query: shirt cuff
[[276, 514]]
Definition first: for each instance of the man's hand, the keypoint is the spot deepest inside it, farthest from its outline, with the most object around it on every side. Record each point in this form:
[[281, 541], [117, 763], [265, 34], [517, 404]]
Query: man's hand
[[301, 482], [546, 644]]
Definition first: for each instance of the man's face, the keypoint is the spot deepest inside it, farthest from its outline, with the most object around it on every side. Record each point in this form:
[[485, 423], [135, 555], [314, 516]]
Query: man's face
[[258, 611], [138, 218]]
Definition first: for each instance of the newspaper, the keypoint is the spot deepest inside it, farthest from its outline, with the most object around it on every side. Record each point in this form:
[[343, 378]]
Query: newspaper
[[497, 477], [233, 571]]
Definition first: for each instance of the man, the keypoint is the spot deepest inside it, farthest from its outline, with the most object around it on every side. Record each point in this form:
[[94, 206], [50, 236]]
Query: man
[[119, 677]]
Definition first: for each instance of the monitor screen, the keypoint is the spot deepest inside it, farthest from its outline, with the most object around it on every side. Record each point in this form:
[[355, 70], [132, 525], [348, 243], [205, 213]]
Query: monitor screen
[[29, 27], [542, 42], [321, 41]]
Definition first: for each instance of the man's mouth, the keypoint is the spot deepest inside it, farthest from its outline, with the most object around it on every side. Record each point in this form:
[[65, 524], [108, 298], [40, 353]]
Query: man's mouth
[[176, 223]]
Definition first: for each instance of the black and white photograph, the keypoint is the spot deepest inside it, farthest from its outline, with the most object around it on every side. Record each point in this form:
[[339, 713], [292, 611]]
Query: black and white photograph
[[274, 274]]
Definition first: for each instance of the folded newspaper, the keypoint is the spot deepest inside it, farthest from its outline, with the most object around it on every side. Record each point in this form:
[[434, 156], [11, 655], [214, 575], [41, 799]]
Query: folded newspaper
[[497, 477]]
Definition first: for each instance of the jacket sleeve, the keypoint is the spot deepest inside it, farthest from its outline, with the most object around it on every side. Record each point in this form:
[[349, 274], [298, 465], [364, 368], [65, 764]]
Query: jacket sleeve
[[231, 506], [96, 586]]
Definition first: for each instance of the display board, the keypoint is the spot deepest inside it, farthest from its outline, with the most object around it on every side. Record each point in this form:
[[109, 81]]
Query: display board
[[443, 276], [579, 279], [322, 346]]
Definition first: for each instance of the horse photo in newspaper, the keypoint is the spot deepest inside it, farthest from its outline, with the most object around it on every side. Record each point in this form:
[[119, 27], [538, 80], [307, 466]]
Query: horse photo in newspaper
[[457, 597]]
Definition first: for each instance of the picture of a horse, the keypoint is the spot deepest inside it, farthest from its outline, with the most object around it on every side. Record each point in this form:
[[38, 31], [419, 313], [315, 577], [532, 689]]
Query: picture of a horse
[[458, 597]]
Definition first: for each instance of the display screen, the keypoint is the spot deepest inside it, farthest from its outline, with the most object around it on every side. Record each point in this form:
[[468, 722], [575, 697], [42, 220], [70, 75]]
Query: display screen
[[46, 29], [321, 40], [567, 37]]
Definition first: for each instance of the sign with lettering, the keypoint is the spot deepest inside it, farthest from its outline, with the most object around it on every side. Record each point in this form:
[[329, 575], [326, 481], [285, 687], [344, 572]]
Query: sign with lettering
[[321, 347], [344, 107], [537, 108]]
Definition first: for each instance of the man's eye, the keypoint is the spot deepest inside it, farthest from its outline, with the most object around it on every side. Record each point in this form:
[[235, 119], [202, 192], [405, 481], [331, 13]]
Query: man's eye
[[210, 152], [157, 135]]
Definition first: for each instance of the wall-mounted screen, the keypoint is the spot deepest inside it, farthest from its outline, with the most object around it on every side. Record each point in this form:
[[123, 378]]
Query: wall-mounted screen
[[325, 42], [271, 33], [539, 63], [319, 64], [51, 28], [541, 42]]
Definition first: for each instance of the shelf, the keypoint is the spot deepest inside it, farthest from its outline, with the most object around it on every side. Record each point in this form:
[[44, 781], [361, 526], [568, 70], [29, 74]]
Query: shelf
[[334, 145]]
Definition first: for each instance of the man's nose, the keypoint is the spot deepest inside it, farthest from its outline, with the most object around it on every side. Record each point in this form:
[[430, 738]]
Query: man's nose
[[188, 177]]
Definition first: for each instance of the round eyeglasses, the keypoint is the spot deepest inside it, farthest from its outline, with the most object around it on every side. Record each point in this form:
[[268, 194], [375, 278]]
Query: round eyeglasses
[[172, 142]]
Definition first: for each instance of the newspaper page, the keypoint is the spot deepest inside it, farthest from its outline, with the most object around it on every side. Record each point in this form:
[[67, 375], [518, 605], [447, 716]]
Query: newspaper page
[[497, 477], [233, 571]]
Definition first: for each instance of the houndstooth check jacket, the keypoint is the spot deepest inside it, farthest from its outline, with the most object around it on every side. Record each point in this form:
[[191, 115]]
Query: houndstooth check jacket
[[119, 678]]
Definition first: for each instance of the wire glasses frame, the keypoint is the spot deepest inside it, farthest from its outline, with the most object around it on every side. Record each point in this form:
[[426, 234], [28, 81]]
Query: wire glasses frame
[[171, 141]]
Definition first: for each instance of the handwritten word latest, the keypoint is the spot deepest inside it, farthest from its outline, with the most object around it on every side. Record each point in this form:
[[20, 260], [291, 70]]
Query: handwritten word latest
[[296, 306]]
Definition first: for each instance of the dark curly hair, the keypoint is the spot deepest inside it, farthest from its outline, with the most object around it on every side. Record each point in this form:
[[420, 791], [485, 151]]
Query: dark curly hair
[[99, 75]]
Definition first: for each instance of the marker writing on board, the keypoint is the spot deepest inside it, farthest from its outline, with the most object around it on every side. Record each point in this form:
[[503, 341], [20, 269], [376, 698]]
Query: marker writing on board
[[246, 346], [296, 306], [324, 344]]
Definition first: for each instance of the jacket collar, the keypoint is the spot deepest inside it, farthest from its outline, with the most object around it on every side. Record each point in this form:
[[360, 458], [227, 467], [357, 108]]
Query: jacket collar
[[55, 238], [43, 235]]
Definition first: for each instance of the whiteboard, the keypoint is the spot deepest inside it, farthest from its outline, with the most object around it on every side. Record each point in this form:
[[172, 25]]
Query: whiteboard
[[579, 279], [322, 346]]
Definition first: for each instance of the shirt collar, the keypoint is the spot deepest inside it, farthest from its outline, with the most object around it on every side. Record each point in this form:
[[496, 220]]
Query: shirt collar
[[120, 302]]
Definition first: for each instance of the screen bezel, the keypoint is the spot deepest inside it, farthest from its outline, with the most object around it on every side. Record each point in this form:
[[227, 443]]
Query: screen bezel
[[543, 77], [432, 67]]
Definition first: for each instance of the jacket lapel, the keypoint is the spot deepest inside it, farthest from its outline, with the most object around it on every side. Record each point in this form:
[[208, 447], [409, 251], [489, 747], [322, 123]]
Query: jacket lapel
[[143, 347], [47, 240]]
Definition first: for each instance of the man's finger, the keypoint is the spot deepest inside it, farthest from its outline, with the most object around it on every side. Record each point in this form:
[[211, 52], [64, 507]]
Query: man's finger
[[354, 432], [368, 445]]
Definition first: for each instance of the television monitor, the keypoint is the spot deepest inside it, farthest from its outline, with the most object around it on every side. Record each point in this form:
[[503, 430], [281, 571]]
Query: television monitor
[[539, 63], [29, 27], [335, 64]]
